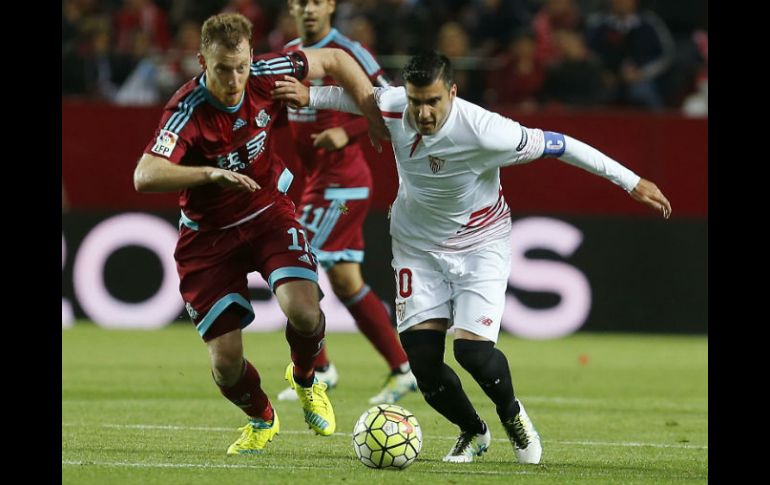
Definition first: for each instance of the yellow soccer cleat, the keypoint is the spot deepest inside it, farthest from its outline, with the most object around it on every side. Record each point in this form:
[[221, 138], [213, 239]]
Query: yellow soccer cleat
[[319, 414], [256, 435]]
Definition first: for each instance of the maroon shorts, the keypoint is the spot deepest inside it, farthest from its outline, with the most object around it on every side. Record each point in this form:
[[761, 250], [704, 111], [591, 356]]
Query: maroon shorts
[[334, 219], [213, 265]]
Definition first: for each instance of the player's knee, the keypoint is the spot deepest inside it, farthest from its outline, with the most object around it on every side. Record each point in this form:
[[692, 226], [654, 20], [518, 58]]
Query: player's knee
[[345, 280], [304, 319], [425, 350], [473, 355], [226, 366], [344, 288]]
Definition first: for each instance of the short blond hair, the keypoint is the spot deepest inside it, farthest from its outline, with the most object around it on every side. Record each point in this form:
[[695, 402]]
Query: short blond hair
[[226, 29]]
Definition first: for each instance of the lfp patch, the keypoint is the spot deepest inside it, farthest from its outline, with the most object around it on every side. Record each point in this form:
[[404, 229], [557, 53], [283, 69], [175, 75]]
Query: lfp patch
[[165, 143]]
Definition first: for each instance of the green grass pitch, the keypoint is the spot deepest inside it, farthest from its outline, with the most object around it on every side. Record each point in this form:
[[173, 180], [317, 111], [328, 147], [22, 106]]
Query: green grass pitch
[[140, 407]]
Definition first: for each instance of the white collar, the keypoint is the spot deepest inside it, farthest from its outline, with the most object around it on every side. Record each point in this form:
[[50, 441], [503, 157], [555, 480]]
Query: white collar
[[429, 140]]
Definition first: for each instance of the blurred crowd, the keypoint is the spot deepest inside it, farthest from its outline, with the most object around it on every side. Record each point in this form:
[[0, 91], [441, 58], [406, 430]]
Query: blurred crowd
[[529, 54]]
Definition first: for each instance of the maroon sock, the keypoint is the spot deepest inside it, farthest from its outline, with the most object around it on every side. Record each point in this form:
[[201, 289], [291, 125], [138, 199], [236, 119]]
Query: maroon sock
[[373, 320], [305, 349], [248, 395], [322, 360]]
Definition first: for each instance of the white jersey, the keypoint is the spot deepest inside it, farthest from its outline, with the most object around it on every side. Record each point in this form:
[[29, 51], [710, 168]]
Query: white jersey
[[449, 195]]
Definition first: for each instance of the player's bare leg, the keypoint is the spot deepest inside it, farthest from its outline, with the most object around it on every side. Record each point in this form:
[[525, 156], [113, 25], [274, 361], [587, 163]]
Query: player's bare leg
[[305, 331], [240, 383]]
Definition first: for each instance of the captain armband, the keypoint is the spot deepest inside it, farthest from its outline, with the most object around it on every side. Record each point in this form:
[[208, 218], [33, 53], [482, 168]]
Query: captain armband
[[554, 144]]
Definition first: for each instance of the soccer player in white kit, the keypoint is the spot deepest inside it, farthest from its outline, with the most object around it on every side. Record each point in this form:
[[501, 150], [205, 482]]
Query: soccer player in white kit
[[450, 226]]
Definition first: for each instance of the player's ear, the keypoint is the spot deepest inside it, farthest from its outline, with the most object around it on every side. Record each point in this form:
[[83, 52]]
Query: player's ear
[[333, 5], [202, 61], [453, 91]]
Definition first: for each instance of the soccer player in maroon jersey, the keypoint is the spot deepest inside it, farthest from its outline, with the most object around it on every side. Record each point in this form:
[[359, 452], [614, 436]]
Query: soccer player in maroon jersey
[[335, 201], [213, 145]]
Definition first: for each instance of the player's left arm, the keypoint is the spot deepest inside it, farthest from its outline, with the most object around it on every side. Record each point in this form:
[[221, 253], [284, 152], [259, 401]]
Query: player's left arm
[[518, 144], [582, 155]]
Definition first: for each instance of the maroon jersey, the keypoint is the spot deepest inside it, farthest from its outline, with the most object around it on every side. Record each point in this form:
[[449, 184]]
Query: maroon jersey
[[197, 130], [347, 167]]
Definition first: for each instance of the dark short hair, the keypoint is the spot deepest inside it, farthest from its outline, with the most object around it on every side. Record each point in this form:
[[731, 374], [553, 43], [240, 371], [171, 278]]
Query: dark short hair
[[425, 68]]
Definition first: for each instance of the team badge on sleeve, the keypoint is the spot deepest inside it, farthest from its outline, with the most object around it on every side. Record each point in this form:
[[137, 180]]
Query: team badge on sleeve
[[165, 143]]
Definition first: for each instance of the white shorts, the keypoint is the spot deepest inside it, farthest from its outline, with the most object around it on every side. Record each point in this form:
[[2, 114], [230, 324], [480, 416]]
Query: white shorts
[[467, 288]]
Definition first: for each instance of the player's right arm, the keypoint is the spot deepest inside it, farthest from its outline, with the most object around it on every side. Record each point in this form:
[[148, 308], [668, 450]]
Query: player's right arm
[[156, 174], [348, 73], [320, 97], [338, 137]]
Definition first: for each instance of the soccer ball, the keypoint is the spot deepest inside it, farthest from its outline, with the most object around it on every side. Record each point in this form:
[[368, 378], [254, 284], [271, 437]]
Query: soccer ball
[[387, 436]]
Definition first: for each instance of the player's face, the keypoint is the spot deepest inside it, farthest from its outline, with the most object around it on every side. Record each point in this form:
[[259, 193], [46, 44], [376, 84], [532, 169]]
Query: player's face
[[313, 17], [227, 71], [430, 105]]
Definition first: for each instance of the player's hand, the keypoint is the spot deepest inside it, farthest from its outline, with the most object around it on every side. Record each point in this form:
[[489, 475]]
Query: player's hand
[[292, 91], [649, 194], [226, 178], [331, 140], [378, 131]]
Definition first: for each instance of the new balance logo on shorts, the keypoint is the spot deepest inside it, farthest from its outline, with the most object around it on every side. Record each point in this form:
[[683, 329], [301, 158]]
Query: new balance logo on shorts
[[484, 320]]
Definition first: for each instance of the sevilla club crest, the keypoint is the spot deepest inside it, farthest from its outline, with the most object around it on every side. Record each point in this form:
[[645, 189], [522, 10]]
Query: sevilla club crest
[[435, 163]]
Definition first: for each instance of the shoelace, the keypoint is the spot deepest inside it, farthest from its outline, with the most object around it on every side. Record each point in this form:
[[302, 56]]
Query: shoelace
[[463, 442], [247, 435], [310, 391], [519, 434], [389, 380]]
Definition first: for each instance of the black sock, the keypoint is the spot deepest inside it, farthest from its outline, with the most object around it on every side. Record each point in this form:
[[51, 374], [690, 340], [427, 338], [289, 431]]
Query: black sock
[[438, 383], [489, 369]]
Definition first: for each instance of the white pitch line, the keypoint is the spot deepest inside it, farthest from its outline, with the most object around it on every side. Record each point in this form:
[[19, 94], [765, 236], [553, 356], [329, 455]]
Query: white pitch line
[[270, 466], [450, 438], [186, 465], [669, 406], [632, 444]]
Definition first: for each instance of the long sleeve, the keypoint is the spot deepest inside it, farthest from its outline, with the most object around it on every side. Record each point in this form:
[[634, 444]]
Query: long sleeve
[[589, 158], [332, 97]]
